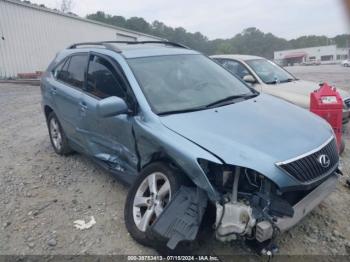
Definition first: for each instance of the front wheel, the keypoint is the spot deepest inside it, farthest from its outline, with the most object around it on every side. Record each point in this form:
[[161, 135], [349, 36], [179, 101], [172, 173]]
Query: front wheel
[[146, 200]]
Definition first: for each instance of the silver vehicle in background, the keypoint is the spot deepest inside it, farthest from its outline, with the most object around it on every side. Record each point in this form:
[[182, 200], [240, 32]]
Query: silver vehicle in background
[[267, 77], [346, 63]]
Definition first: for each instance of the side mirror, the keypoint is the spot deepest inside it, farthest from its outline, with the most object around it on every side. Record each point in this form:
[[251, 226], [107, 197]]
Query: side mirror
[[111, 106], [249, 79]]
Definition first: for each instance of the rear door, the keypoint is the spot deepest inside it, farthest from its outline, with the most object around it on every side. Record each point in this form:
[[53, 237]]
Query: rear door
[[68, 92], [109, 139]]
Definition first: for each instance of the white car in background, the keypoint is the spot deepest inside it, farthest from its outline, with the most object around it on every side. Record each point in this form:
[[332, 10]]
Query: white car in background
[[346, 63], [267, 77]]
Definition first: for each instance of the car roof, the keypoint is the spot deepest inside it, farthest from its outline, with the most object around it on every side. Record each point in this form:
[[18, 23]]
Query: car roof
[[238, 57], [145, 51], [134, 49]]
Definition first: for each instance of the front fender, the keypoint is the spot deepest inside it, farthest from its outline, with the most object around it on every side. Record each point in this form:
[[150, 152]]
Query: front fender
[[152, 137]]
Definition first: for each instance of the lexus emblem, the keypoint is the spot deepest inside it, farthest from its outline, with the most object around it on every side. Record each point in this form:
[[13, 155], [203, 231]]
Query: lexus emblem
[[324, 161]]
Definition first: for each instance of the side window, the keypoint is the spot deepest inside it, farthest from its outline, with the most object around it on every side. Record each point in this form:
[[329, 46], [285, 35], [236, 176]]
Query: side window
[[60, 72], [75, 71], [102, 79], [235, 67]]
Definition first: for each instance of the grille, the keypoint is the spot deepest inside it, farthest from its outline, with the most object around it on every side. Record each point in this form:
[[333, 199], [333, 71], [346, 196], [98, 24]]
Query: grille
[[347, 102], [308, 168]]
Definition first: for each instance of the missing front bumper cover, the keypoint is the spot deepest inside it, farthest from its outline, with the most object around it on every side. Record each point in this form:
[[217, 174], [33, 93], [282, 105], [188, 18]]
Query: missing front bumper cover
[[308, 203], [182, 217]]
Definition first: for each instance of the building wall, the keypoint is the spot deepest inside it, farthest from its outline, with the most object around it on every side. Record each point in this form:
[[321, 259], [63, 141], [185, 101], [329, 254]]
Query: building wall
[[33, 36], [322, 54]]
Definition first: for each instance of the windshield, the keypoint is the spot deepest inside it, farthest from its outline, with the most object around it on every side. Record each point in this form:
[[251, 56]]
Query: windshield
[[269, 72], [184, 82]]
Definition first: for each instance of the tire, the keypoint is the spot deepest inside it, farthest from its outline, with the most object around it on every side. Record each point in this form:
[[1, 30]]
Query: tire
[[342, 146], [137, 212], [58, 138]]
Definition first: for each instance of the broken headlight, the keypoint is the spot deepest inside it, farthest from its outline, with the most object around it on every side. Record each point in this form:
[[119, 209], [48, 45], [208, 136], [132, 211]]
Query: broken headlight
[[222, 177], [252, 187]]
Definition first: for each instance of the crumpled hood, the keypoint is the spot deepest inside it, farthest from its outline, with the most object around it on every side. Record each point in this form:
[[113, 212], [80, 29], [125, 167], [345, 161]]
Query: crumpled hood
[[255, 133], [298, 92]]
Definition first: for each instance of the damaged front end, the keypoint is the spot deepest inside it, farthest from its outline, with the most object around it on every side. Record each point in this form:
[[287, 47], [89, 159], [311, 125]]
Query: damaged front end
[[250, 203], [251, 207]]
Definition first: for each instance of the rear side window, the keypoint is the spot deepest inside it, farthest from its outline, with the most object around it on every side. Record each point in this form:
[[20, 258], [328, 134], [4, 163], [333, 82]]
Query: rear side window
[[102, 79], [72, 70], [60, 72]]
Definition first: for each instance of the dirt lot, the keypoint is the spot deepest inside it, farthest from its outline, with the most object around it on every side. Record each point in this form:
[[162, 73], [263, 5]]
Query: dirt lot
[[41, 193]]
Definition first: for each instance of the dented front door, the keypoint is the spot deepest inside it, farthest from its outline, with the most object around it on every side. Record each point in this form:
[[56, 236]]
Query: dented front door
[[108, 139]]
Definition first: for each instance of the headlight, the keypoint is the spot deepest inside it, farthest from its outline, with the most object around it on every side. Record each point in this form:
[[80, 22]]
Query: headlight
[[222, 176]]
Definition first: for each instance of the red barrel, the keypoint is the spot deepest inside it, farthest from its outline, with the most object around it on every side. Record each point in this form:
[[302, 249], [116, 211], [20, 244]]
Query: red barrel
[[328, 104]]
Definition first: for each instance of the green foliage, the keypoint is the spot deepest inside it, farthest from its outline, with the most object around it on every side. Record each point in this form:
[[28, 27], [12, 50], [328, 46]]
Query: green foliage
[[250, 41]]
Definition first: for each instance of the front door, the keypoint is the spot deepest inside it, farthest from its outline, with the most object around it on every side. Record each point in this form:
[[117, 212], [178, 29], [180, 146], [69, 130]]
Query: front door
[[109, 139]]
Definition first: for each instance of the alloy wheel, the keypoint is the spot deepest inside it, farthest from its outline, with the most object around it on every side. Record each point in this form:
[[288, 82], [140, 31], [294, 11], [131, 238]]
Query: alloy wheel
[[151, 197], [55, 134]]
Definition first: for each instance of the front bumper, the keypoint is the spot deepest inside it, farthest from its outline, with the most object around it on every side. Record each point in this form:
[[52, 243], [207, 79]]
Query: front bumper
[[308, 203]]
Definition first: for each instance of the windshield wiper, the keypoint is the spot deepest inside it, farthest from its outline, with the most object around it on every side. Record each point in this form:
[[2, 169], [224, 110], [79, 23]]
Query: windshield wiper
[[231, 98], [182, 110], [218, 102], [273, 82], [287, 80]]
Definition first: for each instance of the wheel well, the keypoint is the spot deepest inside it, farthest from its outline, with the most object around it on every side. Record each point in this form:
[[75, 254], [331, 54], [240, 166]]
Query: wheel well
[[163, 157], [160, 157], [47, 110]]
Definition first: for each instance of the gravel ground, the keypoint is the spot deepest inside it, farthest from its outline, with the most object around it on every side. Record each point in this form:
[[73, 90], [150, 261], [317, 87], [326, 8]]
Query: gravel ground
[[41, 193]]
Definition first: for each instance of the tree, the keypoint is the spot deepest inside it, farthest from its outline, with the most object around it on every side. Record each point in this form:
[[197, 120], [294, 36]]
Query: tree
[[66, 6], [250, 41], [138, 24]]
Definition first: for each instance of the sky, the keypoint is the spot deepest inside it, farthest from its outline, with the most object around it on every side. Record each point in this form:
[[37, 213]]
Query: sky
[[225, 18]]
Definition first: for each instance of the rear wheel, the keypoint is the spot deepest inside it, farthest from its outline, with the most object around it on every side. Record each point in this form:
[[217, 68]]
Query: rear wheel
[[146, 200], [58, 138]]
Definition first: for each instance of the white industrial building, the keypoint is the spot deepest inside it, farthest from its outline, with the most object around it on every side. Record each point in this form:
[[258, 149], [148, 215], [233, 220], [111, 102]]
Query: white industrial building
[[30, 36], [330, 54]]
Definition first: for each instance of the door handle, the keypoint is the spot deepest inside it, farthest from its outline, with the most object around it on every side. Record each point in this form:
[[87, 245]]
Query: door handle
[[54, 90], [83, 107]]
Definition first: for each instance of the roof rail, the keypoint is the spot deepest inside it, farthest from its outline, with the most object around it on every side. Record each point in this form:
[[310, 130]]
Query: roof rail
[[105, 44], [108, 44], [148, 42]]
